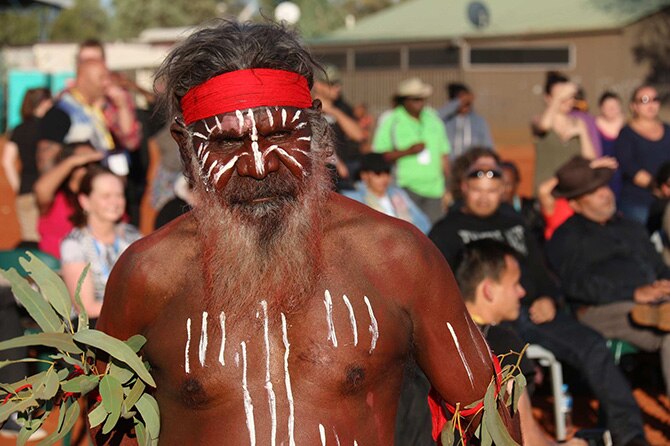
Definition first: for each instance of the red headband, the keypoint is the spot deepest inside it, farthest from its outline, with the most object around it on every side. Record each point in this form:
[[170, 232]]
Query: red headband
[[244, 89]]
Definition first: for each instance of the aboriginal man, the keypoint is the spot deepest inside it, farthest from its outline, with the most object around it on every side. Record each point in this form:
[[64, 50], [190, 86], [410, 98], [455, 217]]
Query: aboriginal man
[[277, 312]]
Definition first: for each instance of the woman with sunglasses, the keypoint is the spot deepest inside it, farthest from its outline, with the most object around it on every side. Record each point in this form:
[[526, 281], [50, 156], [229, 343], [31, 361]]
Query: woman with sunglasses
[[641, 148]]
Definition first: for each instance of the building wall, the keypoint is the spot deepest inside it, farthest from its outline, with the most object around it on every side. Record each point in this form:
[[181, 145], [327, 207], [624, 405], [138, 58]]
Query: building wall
[[508, 97]]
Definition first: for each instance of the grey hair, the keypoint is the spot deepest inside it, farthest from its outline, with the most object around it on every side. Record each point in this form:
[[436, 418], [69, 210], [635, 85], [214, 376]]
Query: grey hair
[[227, 46]]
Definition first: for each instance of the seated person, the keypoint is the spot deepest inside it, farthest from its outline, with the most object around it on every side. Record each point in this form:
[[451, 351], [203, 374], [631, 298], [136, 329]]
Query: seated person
[[481, 216], [607, 265], [98, 237], [529, 208], [489, 277], [375, 190]]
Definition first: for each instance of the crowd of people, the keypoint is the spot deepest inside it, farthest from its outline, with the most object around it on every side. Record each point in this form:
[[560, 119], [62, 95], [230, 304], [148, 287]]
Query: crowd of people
[[580, 262]]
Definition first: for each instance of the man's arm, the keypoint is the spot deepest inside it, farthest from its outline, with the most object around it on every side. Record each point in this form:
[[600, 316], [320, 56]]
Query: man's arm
[[449, 347]]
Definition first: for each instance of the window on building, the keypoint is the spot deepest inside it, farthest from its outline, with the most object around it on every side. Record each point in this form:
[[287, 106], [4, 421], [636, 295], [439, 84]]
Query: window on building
[[337, 59], [377, 59], [520, 56], [434, 57]]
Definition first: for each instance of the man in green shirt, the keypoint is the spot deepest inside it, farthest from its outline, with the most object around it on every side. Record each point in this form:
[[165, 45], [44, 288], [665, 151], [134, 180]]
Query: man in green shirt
[[413, 137]]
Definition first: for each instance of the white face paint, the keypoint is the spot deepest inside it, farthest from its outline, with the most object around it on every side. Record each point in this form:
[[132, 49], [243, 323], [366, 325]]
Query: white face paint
[[286, 155], [374, 328], [283, 117], [202, 350], [296, 116], [271, 120], [352, 318], [222, 322], [272, 401], [248, 405], [287, 381], [305, 138], [328, 302], [187, 366], [460, 353], [322, 433], [258, 158]]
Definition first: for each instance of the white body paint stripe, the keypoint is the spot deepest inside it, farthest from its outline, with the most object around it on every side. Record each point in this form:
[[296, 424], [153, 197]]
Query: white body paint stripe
[[187, 365], [218, 123], [328, 302], [200, 135], [322, 433], [202, 349], [272, 401], [352, 318], [270, 118], [248, 405], [296, 116], [285, 154], [223, 169], [337, 438], [374, 328], [283, 117], [240, 119], [209, 130], [301, 125], [460, 353], [287, 381], [222, 322], [481, 354], [258, 158], [305, 138], [204, 160], [211, 168]]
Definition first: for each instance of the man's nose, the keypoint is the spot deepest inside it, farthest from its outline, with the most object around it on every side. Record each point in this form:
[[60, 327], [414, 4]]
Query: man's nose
[[257, 165]]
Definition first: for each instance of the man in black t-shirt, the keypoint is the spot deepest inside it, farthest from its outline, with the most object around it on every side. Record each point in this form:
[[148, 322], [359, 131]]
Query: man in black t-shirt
[[480, 216]]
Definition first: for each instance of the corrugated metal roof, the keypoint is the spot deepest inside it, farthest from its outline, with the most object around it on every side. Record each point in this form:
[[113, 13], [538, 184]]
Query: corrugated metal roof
[[445, 19]]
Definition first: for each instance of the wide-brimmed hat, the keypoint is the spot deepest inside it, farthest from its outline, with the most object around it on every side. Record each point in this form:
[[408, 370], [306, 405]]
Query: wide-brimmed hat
[[413, 88], [329, 75], [577, 178]]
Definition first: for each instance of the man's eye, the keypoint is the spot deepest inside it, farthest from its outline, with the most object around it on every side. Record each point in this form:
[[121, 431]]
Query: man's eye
[[226, 141]]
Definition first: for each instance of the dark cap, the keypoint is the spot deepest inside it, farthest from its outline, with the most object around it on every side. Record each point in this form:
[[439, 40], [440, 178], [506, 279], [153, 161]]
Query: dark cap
[[577, 178], [374, 162]]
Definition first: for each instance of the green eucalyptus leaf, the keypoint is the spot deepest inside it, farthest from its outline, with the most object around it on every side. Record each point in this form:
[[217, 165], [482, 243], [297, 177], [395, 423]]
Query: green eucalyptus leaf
[[148, 408], [519, 386], [67, 359], [63, 374], [486, 439], [65, 424], [30, 428], [120, 371], [135, 393], [33, 380], [12, 406], [48, 386], [16, 361], [97, 416], [117, 349], [447, 435], [61, 341], [51, 285], [493, 422], [111, 392], [80, 384], [38, 308], [82, 323], [141, 433], [136, 342]]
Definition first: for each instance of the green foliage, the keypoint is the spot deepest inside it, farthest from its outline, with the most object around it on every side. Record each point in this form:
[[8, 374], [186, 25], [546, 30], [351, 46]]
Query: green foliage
[[72, 371], [86, 20]]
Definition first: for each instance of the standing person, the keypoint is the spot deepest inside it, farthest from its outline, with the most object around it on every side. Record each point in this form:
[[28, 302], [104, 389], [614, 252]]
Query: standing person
[[558, 136], [413, 137], [77, 116], [22, 145], [98, 237], [609, 123], [642, 147], [278, 310], [465, 127]]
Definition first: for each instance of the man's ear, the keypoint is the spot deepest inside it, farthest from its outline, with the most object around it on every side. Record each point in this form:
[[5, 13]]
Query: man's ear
[[182, 137], [487, 289]]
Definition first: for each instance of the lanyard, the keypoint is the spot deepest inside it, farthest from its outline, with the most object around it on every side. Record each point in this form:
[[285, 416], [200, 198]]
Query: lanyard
[[106, 255]]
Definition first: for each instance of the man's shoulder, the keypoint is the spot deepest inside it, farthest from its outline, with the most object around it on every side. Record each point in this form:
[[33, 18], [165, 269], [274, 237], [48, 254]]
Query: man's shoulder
[[362, 226]]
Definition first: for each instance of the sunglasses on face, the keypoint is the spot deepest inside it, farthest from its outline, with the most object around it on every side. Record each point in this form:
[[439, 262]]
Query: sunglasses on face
[[646, 99], [485, 173]]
